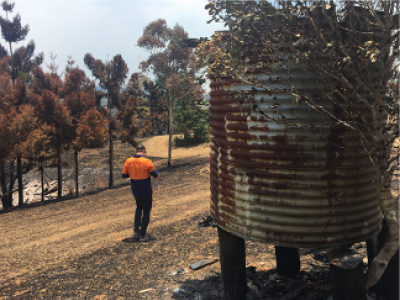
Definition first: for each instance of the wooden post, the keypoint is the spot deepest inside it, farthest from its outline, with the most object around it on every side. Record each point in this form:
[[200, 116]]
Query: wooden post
[[347, 276], [287, 260], [233, 265]]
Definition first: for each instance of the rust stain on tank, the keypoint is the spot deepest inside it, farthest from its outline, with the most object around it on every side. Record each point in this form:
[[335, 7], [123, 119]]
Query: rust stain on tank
[[280, 139], [261, 168]]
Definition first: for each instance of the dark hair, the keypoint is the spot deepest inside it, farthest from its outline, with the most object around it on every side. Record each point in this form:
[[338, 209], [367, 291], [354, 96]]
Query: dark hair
[[140, 148]]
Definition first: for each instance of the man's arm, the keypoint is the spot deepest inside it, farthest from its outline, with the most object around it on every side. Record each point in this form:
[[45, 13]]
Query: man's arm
[[154, 173], [125, 172]]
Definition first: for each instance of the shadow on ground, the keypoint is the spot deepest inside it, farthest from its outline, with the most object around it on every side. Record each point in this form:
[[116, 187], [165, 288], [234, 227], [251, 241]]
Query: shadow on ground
[[261, 285]]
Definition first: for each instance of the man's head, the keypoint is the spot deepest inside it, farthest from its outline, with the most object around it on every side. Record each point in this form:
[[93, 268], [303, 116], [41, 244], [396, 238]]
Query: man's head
[[140, 149]]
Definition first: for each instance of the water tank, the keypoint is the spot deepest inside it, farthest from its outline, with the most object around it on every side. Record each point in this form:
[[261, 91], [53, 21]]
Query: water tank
[[285, 174]]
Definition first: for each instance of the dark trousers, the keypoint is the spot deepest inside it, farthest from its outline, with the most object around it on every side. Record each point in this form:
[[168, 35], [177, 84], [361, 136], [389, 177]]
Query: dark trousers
[[142, 215]]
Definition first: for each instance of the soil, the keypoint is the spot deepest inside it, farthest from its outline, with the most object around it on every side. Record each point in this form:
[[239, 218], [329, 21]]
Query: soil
[[81, 248]]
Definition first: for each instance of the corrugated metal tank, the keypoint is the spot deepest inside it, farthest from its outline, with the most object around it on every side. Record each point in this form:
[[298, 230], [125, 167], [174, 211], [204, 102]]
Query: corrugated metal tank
[[282, 183]]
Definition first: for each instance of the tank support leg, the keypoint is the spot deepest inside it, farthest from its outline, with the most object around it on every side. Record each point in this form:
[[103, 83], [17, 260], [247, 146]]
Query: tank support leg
[[233, 265], [347, 275], [287, 260]]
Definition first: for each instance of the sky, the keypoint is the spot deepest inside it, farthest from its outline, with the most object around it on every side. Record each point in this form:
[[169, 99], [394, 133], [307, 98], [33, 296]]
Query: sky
[[103, 28]]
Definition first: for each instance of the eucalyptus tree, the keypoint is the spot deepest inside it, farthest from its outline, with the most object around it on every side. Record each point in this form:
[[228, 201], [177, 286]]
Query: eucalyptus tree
[[172, 65]]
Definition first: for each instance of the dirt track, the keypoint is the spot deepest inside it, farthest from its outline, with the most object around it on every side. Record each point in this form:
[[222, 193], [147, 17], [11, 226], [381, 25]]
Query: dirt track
[[158, 147]]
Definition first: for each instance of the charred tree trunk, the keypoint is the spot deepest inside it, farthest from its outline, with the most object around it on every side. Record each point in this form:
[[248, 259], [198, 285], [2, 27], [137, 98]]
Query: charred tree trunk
[[41, 178], [152, 119], [6, 198], [11, 185], [233, 265], [59, 171], [76, 154], [20, 186], [171, 132], [110, 160]]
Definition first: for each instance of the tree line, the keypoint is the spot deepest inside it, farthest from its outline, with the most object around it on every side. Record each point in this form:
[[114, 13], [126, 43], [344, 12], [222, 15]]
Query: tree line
[[43, 113]]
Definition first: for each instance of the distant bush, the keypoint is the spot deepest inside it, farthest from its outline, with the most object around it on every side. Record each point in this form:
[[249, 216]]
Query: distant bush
[[190, 140], [192, 118]]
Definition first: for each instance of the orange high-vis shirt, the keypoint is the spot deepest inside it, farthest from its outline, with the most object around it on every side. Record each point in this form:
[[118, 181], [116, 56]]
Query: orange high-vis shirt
[[138, 168]]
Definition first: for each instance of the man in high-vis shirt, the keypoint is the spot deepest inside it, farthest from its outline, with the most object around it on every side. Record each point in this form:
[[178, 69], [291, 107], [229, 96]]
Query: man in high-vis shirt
[[139, 169]]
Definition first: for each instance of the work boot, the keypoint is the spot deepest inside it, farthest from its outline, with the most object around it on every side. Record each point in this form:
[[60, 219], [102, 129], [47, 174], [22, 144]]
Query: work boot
[[144, 238]]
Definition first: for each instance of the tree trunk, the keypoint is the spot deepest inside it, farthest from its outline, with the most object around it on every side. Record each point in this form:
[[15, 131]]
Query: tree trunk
[[20, 186], [7, 201], [11, 184], [76, 154], [152, 119], [171, 131], [110, 160], [390, 209], [3, 179], [41, 178], [388, 284], [168, 122], [59, 172], [5, 197]]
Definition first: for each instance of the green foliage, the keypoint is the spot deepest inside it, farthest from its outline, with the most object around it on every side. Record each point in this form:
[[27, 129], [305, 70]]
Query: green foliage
[[193, 121], [25, 76]]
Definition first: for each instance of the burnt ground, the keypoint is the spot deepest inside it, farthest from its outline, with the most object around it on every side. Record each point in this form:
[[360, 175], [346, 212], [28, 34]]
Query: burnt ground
[[81, 248]]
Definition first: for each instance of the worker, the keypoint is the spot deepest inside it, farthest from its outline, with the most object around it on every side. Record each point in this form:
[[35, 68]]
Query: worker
[[139, 169]]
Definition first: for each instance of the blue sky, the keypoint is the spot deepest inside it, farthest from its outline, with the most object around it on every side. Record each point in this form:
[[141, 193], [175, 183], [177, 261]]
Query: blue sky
[[104, 28]]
